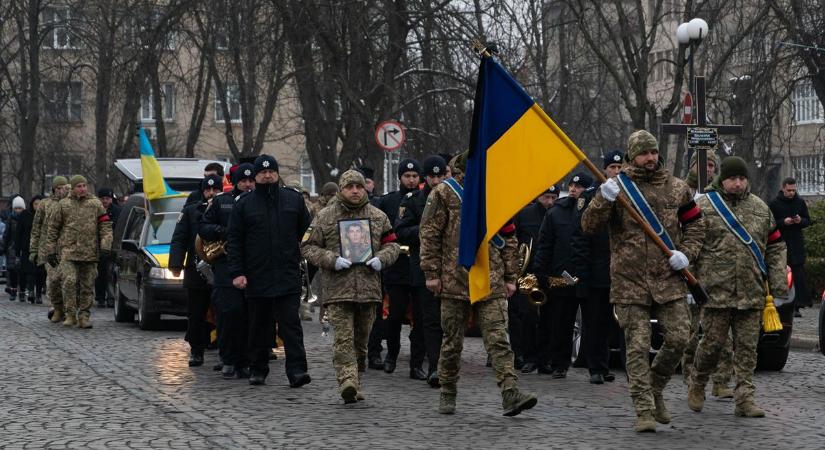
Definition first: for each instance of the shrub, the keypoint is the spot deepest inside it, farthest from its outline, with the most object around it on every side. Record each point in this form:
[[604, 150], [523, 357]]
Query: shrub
[[815, 234]]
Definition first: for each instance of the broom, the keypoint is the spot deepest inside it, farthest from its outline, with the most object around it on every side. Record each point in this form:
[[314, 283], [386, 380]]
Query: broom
[[770, 316]]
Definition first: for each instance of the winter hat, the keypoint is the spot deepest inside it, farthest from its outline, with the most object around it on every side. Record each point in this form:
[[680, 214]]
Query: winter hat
[[329, 188], [264, 162], [638, 142], [59, 181], [243, 171], [368, 172], [18, 202], [77, 179], [711, 157], [733, 166], [582, 179], [105, 192], [692, 177], [408, 165], [459, 162], [551, 190], [352, 176], [435, 166], [212, 181], [612, 157]]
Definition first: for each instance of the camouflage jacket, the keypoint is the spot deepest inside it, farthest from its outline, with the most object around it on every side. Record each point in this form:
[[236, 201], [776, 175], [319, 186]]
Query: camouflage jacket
[[321, 246], [40, 230], [79, 229], [727, 268], [639, 270], [438, 234]]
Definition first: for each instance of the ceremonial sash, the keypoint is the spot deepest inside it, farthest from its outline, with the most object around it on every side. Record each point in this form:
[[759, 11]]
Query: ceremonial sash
[[497, 240], [640, 203], [737, 229]]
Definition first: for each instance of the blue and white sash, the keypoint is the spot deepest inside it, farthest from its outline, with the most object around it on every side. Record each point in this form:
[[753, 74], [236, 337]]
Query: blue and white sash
[[737, 229], [497, 240], [640, 203]]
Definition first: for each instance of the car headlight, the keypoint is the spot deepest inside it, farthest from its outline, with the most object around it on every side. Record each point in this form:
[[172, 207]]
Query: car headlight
[[163, 274]]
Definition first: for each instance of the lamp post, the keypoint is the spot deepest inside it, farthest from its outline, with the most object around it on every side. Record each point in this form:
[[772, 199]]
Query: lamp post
[[691, 34]]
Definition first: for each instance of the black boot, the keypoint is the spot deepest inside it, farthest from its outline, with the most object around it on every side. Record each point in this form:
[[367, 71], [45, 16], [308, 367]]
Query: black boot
[[195, 358], [389, 366]]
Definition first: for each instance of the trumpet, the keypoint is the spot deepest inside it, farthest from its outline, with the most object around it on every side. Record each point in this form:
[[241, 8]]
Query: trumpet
[[529, 284]]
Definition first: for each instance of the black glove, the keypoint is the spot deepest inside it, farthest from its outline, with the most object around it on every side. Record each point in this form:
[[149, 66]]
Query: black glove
[[52, 260]]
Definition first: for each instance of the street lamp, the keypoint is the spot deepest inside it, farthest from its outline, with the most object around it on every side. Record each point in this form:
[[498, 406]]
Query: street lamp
[[691, 34]]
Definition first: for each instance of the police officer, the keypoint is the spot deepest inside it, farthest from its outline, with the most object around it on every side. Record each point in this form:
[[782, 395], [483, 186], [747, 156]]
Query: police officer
[[213, 168], [524, 316], [591, 262], [182, 257], [109, 202], [553, 257], [264, 259], [407, 227], [228, 301]]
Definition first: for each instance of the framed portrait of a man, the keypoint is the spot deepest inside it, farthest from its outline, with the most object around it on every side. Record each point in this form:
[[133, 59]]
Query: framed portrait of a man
[[356, 240]]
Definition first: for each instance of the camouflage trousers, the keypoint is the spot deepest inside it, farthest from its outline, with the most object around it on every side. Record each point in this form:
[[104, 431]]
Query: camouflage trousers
[[491, 316], [78, 287], [54, 286], [352, 322], [646, 378], [724, 371], [717, 323]]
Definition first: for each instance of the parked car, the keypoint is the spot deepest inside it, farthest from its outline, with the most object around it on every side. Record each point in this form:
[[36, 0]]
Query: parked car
[[822, 324]]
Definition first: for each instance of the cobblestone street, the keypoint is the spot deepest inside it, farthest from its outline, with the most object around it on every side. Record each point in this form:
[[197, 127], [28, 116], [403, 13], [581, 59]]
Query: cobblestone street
[[117, 387]]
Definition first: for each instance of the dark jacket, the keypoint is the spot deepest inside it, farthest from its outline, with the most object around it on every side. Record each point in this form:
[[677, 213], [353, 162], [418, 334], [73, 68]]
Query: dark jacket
[[213, 227], [398, 273], [528, 223], [195, 196], [264, 234], [553, 252], [781, 208], [590, 253], [10, 243], [182, 253], [114, 213], [407, 227]]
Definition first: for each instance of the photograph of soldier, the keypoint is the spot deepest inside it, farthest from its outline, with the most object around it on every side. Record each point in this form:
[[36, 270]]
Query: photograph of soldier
[[440, 224], [263, 239], [37, 246], [350, 291], [79, 231], [355, 240], [644, 283], [730, 271]]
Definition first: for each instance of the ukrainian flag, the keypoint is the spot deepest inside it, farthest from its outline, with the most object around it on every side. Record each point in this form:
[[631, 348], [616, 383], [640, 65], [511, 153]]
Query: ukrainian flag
[[154, 186], [516, 153]]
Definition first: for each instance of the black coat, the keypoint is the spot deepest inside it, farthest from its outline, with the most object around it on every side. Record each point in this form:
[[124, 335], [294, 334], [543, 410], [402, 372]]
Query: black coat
[[398, 272], [114, 213], [182, 248], [264, 234], [590, 253], [781, 208], [10, 244], [528, 223], [22, 238], [553, 251], [213, 227], [406, 230]]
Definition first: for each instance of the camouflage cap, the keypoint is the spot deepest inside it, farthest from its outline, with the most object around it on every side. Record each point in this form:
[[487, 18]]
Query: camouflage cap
[[352, 176], [77, 179], [459, 162], [59, 181], [329, 188], [711, 157], [638, 142]]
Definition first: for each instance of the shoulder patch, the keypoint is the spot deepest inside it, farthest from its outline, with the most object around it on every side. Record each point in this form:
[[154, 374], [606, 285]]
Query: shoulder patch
[[307, 234], [580, 203]]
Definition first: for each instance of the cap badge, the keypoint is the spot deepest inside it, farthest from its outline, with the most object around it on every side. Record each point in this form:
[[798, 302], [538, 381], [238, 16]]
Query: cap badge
[[436, 169], [410, 165], [265, 164], [247, 172]]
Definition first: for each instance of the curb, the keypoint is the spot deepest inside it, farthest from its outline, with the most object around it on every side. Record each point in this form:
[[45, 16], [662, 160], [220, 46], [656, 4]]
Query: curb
[[805, 343]]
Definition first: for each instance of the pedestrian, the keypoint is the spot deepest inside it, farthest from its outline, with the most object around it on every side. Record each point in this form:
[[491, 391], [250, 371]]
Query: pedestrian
[[644, 283], [109, 201], [407, 227], [182, 258], [37, 246], [449, 281], [15, 284], [263, 240], [791, 215], [228, 301], [80, 230], [351, 291], [22, 238], [743, 254]]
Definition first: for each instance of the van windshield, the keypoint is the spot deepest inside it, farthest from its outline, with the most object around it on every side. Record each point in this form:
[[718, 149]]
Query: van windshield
[[161, 227]]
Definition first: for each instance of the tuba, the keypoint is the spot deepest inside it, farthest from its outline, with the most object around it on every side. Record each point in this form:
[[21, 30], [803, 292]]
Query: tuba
[[209, 251]]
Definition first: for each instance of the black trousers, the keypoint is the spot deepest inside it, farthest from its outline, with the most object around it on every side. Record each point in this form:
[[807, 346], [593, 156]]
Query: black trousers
[[597, 324], [564, 308], [374, 347], [802, 296], [232, 325], [537, 327], [516, 317], [263, 312], [401, 297], [197, 328], [102, 280], [431, 320]]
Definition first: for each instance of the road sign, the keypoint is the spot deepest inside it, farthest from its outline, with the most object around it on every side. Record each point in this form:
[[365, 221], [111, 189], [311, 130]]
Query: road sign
[[700, 137], [390, 135]]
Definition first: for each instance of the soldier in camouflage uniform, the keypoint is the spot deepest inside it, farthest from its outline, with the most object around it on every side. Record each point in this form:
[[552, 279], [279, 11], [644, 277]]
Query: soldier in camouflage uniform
[[439, 236], [350, 291], [37, 246], [735, 284], [79, 229], [645, 284]]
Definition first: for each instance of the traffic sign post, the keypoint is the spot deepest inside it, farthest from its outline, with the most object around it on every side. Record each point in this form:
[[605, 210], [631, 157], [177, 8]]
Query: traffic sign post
[[390, 135]]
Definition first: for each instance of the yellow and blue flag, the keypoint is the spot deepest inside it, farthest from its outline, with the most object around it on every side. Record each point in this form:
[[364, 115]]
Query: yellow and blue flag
[[154, 186], [516, 153]]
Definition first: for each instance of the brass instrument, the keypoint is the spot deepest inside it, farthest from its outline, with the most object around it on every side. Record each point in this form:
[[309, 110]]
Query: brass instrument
[[306, 288], [209, 251], [529, 284], [405, 250]]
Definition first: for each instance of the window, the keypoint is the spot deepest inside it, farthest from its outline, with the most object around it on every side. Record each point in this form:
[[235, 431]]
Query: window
[[147, 103], [391, 162], [62, 101], [58, 30], [806, 105], [233, 97], [307, 176], [809, 171], [135, 224], [142, 31], [61, 164]]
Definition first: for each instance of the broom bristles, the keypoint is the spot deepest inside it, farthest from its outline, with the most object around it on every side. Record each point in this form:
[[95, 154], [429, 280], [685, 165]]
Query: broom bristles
[[770, 316]]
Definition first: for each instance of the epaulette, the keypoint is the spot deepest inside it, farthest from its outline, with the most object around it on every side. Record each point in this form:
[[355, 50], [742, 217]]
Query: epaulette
[[241, 195]]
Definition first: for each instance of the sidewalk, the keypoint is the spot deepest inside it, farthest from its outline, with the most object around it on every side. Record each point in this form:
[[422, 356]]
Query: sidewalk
[[805, 336]]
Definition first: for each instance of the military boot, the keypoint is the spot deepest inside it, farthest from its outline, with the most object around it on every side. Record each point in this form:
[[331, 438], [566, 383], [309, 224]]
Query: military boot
[[349, 392], [70, 320], [57, 316], [721, 390], [748, 408], [696, 396], [84, 322], [446, 403], [514, 402], [644, 422], [660, 413]]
